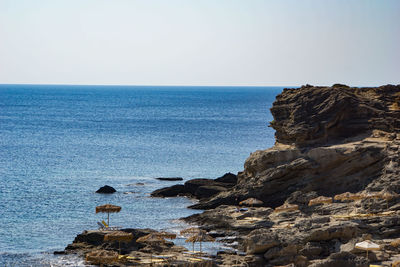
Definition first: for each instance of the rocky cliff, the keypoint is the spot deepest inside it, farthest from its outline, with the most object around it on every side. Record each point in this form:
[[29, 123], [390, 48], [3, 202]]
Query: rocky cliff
[[329, 140]]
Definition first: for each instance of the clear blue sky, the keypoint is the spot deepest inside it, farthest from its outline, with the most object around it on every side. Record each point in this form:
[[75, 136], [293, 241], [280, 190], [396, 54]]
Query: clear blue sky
[[200, 42]]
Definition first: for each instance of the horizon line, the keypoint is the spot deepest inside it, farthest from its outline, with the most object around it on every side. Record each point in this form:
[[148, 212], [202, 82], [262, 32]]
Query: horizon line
[[147, 85]]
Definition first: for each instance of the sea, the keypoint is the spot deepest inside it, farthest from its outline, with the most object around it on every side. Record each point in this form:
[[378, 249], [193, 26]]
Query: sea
[[60, 143]]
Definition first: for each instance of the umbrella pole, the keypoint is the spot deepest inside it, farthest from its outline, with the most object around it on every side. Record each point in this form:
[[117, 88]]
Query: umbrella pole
[[367, 254], [108, 218]]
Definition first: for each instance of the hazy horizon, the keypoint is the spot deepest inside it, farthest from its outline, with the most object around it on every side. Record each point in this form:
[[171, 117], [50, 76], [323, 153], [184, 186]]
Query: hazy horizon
[[193, 43]]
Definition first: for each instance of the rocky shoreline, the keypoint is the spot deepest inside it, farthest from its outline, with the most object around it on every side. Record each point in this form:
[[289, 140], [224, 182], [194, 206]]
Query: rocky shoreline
[[329, 141]]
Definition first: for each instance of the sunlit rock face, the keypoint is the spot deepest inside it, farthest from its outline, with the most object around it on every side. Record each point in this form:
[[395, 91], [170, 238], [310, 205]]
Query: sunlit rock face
[[329, 140]]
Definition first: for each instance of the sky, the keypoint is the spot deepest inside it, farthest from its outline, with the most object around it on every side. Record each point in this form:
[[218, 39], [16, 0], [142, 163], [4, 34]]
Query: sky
[[200, 42]]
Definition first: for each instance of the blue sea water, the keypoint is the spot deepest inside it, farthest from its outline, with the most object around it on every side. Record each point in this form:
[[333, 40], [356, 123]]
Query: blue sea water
[[59, 144]]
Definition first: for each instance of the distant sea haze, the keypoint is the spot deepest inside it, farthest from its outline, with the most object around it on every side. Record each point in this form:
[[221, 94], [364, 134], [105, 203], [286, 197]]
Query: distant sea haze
[[59, 144]]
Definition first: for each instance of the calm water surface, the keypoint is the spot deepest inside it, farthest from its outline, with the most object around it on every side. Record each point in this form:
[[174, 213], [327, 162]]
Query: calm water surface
[[61, 143]]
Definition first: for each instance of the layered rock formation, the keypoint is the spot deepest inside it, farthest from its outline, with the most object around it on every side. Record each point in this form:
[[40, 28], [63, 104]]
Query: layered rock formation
[[329, 140]]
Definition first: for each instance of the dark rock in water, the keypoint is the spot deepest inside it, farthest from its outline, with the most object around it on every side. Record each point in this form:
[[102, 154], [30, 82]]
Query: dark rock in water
[[170, 178], [171, 191], [229, 178], [94, 239], [106, 190], [207, 191], [62, 252], [192, 185]]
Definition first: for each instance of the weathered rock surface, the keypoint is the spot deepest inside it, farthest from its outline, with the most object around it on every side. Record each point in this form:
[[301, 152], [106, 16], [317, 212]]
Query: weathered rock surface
[[322, 115], [106, 190], [136, 254], [329, 140]]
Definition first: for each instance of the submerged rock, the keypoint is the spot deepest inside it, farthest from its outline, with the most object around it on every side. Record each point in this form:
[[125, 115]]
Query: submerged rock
[[170, 178]]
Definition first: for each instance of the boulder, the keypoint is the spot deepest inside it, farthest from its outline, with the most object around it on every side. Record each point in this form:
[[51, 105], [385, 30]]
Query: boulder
[[335, 230], [171, 191], [106, 190], [261, 240]]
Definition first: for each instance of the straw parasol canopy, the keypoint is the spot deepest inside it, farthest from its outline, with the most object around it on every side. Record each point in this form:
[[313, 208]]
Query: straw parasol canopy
[[167, 235], [119, 236], [101, 257], [251, 202], [367, 245], [152, 237], [320, 200], [286, 207], [108, 208], [191, 231], [200, 237]]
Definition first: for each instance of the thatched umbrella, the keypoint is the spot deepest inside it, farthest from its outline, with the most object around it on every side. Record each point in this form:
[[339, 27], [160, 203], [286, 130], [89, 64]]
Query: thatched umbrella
[[286, 207], [368, 246], [192, 231], [320, 200], [119, 236], [251, 202], [101, 257], [108, 208], [200, 237], [151, 238], [167, 235]]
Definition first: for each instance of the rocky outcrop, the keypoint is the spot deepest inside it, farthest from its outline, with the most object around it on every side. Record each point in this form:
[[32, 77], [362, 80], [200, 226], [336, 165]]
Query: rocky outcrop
[[321, 115], [94, 239], [133, 253], [329, 140], [106, 190], [199, 188], [171, 191]]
